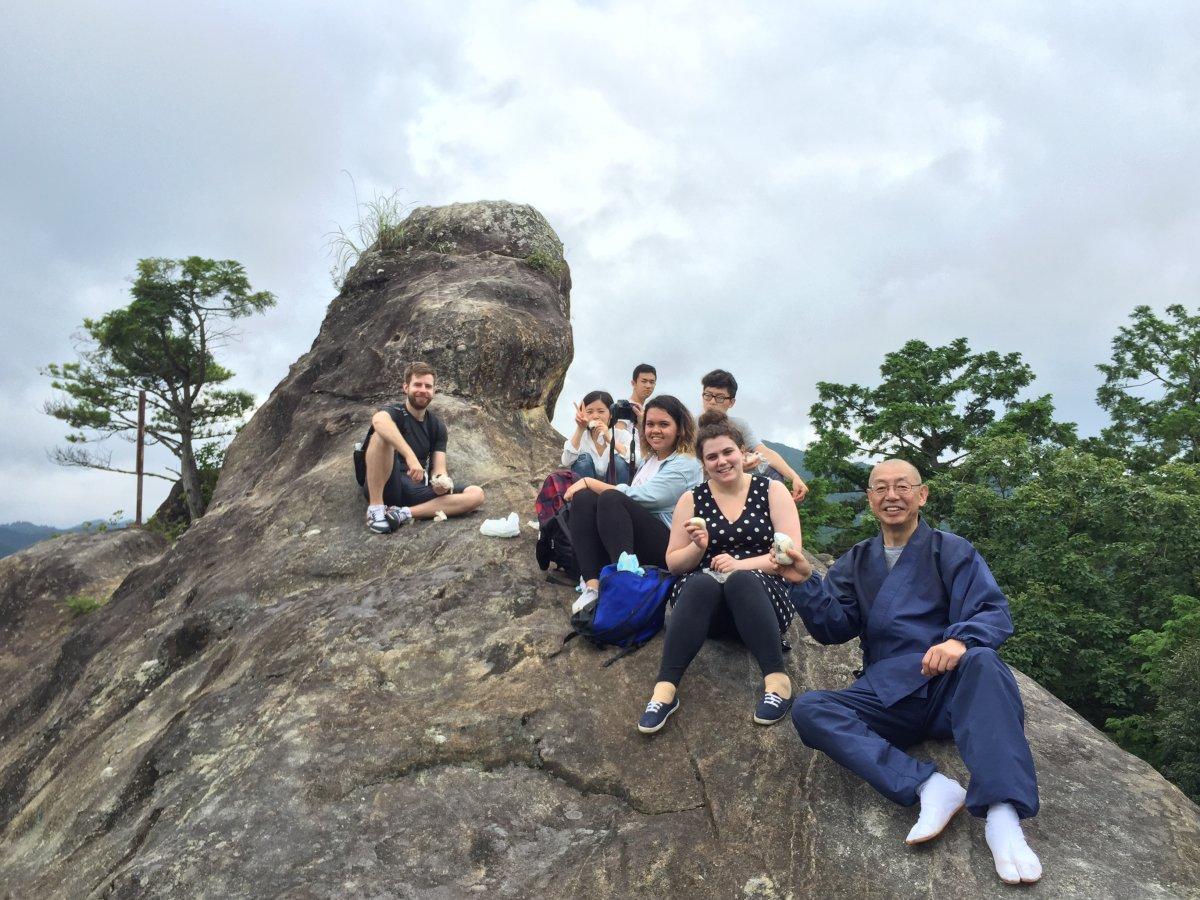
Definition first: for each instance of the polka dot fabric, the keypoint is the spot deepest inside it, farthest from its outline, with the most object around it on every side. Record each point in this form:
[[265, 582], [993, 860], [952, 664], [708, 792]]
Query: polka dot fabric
[[751, 535]]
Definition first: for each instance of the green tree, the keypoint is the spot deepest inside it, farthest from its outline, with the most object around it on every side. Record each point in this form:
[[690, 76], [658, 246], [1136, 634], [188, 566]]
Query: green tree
[[1099, 567], [163, 342], [1177, 719], [929, 406], [1151, 390]]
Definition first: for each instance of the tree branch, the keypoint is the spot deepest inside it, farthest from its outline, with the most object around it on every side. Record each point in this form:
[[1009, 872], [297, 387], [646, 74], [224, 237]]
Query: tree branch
[[77, 458]]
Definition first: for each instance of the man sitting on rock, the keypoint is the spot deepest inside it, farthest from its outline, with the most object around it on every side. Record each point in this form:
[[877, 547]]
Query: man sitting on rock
[[930, 617], [405, 455]]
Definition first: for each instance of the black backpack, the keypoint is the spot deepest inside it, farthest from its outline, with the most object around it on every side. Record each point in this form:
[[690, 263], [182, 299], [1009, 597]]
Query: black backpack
[[554, 546]]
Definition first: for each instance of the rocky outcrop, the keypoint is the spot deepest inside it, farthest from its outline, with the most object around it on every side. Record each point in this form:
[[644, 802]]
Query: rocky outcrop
[[36, 584], [287, 705]]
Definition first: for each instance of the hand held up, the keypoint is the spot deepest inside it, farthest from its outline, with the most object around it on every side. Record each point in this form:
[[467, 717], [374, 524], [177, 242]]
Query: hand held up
[[799, 489], [697, 531]]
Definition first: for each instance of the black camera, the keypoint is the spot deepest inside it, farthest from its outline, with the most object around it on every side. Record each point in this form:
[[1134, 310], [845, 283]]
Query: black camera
[[622, 411]]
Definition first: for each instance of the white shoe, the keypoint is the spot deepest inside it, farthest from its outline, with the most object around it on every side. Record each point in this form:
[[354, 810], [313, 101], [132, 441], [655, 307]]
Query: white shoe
[[589, 595]]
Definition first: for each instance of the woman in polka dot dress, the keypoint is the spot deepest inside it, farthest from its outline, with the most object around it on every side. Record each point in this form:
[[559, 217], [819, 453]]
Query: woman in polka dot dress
[[730, 584]]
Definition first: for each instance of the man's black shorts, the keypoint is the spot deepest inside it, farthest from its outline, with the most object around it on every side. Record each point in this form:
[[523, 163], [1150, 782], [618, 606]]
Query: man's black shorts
[[403, 491]]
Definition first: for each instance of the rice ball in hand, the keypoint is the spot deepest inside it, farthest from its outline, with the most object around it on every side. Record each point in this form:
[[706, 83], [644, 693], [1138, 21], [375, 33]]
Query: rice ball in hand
[[782, 545]]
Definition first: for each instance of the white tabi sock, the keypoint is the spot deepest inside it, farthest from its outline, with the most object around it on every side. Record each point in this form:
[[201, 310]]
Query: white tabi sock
[[1015, 860], [941, 798]]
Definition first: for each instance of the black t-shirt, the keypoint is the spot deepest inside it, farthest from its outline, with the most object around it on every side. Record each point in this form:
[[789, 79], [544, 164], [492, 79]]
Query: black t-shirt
[[425, 437]]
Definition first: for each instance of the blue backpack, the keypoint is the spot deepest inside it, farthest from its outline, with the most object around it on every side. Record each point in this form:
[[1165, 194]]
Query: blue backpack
[[630, 611]]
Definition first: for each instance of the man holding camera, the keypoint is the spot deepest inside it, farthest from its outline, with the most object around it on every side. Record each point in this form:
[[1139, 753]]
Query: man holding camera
[[405, 461], [628, 414]]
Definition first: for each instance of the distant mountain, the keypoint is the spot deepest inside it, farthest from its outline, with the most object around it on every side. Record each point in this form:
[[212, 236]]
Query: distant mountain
[[16, 536], [793, 457]]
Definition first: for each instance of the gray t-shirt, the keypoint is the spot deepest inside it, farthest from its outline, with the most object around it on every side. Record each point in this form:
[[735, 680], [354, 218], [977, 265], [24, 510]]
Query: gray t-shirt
[[750, 437], [891, 554], [747, 431]]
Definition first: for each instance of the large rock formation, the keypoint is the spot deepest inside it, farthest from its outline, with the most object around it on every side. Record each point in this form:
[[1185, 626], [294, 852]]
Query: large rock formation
[[287, 705]]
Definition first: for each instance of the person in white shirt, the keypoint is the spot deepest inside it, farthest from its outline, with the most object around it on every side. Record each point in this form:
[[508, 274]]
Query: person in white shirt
[[588, 451], [607, 520]]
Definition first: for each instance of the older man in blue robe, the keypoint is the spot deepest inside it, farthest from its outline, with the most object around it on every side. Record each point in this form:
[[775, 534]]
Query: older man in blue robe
[[930, 617]]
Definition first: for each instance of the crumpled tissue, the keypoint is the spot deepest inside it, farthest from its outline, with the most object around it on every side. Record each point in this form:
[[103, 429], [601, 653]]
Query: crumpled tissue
[[628, 562]]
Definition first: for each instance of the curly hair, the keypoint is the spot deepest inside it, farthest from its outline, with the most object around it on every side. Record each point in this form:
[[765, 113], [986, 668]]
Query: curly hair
[[713, 429]]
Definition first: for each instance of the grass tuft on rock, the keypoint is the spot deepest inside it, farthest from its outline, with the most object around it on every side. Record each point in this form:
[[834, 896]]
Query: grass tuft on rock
[[380, 226], [82, 604], [543, 261]]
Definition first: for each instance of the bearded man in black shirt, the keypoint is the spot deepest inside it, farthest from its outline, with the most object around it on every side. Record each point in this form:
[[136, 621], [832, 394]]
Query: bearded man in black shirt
[[405, 456]]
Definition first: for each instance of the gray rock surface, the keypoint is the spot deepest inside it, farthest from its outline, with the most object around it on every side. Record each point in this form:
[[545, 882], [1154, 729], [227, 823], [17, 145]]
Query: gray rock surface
[[36, 583], [271, 711]]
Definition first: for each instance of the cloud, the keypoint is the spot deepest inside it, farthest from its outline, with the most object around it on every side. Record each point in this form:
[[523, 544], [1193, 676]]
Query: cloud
[[785, 191]]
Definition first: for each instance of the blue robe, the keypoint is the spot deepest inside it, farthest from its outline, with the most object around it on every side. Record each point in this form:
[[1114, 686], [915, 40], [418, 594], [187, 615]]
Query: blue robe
[[940, 588]]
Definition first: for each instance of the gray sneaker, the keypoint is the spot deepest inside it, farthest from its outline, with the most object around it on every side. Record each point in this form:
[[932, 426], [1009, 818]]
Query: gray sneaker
[[387, 521]]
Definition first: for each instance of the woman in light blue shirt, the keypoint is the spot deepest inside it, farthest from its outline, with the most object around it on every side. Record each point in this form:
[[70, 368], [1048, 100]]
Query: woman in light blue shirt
[[606, 520]]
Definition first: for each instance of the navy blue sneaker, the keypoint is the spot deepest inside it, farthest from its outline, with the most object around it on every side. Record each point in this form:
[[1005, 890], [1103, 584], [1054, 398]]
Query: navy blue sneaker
[[656, 715], [771, 708]]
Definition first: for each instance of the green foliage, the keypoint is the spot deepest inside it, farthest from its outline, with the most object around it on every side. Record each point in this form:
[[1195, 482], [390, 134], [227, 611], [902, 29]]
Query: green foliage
[[833, 522], [930, 405], [103, 525], [1177, 724], [1100, 569], [82, 604], [1169, 735], [544, 261], [1151, 390], [164, 343], [171, 519], [1095, 543], [380, 226]]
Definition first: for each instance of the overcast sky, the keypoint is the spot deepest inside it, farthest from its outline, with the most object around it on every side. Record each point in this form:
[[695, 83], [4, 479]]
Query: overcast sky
[[785, 190]]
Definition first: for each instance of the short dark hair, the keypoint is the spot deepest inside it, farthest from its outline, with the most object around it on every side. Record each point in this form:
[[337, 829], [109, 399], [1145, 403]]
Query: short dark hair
[[685, 424], [417, 368], [719, 378], [716, 428], [643, 369], [597, 395], [711, 417]]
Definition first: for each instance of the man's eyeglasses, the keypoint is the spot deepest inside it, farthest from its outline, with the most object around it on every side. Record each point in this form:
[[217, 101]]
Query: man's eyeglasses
[[903, 489], [715, 398]]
